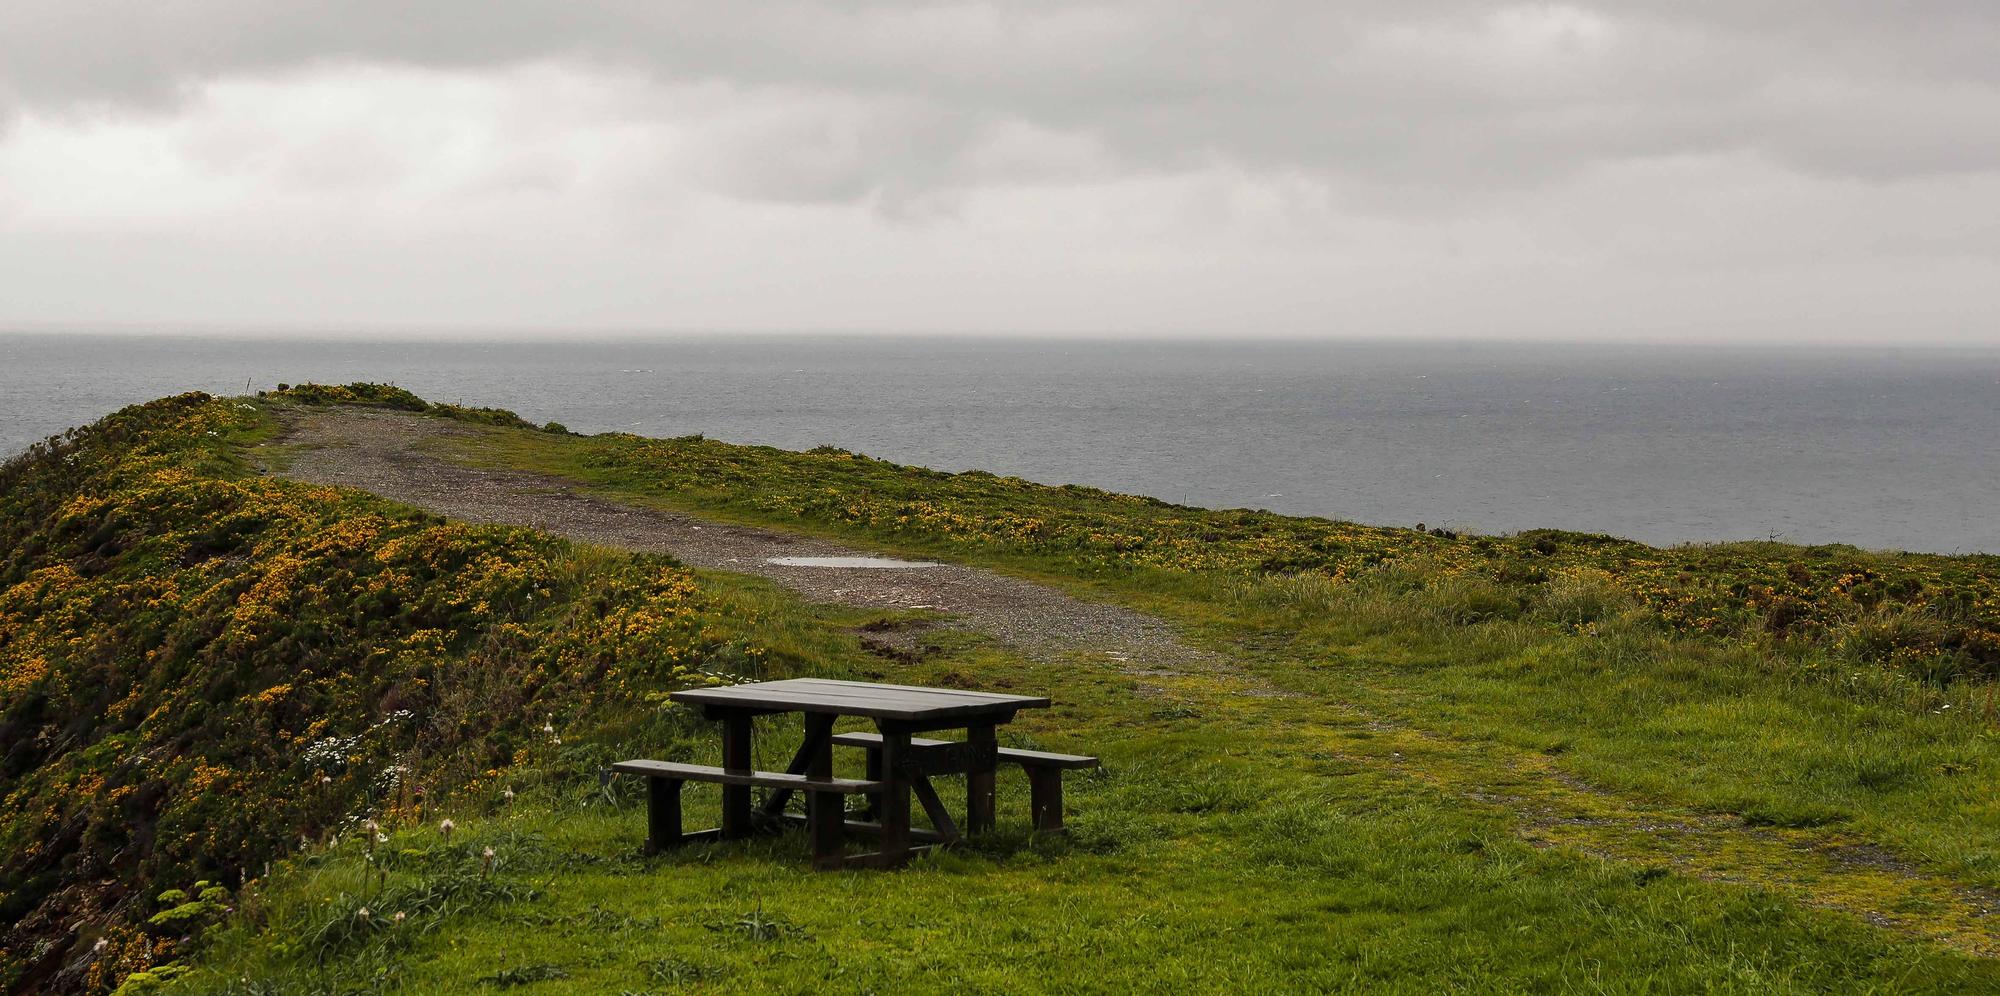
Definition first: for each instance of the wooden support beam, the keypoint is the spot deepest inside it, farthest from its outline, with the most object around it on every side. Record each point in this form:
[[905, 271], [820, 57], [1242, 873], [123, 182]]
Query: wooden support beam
[[922, 835], [819, 730], [934, 808], [885, 858]]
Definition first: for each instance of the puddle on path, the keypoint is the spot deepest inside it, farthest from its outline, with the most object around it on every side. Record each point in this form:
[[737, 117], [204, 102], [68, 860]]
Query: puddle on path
[[872, 563]]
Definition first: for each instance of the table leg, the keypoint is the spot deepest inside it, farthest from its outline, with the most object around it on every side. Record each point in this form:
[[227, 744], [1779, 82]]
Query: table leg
[[979, 802], [895, 807], [826, 812], [736, 821]]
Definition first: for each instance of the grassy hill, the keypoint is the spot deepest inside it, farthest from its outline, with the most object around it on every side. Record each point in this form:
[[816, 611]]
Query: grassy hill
[[1424, 761]]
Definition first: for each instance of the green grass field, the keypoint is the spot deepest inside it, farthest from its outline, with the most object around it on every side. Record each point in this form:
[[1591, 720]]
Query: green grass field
[[1420, 763]]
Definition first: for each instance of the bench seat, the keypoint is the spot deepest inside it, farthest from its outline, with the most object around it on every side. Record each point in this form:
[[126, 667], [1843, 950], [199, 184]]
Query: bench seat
[[676, 771], [1044, 769], [663, 802]]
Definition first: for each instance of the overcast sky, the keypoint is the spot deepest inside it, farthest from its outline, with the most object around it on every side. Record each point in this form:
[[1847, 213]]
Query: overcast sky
[[1797, 170]]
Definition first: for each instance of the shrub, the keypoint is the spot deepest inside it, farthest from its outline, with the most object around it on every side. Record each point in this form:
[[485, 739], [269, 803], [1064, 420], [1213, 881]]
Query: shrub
[[374, 395], [201, 667]]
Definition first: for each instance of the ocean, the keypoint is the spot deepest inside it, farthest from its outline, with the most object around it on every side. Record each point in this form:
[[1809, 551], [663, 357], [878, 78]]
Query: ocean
[[1880, 448]]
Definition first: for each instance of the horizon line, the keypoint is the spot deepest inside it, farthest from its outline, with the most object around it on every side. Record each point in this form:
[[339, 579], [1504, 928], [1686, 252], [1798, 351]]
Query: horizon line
[[498, 334]]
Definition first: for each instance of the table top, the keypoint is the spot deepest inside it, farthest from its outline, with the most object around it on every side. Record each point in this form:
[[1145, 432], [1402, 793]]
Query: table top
[[860, 698]]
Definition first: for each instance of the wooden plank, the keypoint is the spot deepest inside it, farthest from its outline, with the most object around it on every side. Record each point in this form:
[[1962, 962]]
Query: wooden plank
[[954, 722], [878, 707], [858, 698], [1013, 755], [835, 685], [947, 758], [787, 695], [710, 836], [874, 740], [768, 779], [715, 714], [1045, 759], [886, 858], [870, 828]]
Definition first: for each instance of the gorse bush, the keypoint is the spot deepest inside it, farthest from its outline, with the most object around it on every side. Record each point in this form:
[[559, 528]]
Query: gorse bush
[[200, 667], [377, 395], [393, 397]]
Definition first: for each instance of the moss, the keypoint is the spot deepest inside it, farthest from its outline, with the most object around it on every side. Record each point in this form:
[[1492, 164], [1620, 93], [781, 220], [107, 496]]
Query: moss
[[152, 980], [183, 918]]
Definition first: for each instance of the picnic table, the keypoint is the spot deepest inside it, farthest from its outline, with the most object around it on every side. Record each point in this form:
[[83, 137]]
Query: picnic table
[[900, 765]]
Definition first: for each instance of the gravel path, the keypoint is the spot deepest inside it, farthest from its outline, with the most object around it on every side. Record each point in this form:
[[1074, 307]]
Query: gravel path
[[380, 452]]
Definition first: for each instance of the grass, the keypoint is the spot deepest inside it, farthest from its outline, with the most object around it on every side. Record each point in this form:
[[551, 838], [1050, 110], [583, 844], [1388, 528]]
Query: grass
[[1790, 733], [1419, 764], [1201, 859]]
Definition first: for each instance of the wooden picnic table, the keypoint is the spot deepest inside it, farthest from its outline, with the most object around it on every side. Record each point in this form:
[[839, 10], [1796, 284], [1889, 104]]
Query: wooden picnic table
[[897, 770]]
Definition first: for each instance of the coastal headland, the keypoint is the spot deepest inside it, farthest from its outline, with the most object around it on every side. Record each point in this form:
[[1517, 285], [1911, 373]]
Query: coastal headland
[[254, 651]]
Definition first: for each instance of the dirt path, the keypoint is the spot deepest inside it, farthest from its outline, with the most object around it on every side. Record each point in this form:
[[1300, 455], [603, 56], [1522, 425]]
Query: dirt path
[[384, 452]]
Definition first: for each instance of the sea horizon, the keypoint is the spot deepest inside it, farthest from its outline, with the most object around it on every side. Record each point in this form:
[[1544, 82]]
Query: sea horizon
[[1877, 447]]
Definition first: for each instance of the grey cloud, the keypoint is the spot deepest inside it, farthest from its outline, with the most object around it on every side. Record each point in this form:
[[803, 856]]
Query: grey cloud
[[897, 99]]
